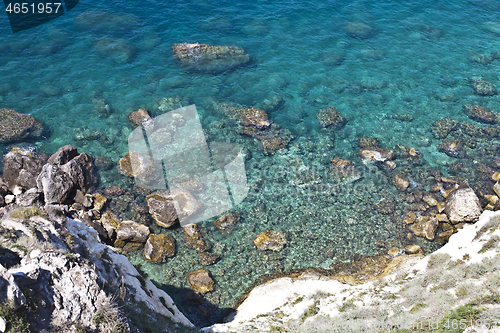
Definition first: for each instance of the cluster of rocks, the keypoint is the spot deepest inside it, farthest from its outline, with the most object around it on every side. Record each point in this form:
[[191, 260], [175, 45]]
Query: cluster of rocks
[[256, 124], [208, 58]]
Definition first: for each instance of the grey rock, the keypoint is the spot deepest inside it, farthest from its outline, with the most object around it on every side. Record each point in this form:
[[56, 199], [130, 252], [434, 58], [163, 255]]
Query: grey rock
[[33, 196], [462, 205], [55, 184], [22, 168], [81, 171], [9, 290], [132, 231], [3, 325], [56, 212], [63, 155]]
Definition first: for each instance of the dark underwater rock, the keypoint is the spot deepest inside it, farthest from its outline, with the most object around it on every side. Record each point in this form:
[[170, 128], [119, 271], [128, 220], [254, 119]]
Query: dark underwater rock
[[208, 58], [15, 126], [478, 113]]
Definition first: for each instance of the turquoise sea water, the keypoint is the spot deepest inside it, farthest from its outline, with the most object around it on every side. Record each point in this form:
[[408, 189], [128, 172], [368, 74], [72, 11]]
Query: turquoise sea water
[[414, 69]]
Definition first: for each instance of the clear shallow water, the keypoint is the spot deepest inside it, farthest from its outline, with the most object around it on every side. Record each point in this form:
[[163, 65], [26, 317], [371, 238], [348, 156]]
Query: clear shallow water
[[415, 64]]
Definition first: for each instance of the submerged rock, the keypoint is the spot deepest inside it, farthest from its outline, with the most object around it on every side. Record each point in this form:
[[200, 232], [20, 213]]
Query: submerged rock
[[330, 117], [343, 170], [117, 49], [452, 148], [462, 205], [142, 167], [140, 117], [270, 240], [375, 154], [483, 88], [253, 117], [207, 58], [169, 206], [358, 29], [385, 206], [480, 114], [200, 281], [159, 247], [226, 221], [442, 127], [15, 126]]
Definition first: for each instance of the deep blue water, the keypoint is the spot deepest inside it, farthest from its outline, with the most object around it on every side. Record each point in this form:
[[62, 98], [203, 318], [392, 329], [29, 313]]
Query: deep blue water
[[416, 63]]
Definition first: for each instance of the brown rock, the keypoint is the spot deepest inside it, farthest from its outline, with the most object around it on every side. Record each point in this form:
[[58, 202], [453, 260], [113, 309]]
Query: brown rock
[[414, 249], [139, 117], [270, 240], [425, 226], [159, 247], [367, 142], [99, 201], [254, 117], [200, 281], [226, 221], [141, 167], [480, 114], [442, 127], [443, 237], [409, 217], [430, 199], [400, 183], [114, 191], [452, 148], [169, 205]]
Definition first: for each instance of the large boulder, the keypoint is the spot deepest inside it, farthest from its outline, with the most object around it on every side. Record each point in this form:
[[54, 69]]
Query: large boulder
[[208, 58], [15, 126], [159, 247], [270, 240], [168, 206], [22, 167], [200, 281], [81, 171], [132, 231], [63, 155], [57, 186], [462, 205]]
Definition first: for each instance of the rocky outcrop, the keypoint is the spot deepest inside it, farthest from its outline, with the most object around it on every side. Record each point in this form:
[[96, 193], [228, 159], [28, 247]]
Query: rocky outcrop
[[462, 205], [16, 126], [208, 58]]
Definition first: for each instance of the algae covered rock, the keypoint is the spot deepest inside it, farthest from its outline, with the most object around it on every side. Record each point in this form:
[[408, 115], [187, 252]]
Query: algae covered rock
[[483, 88], [478, 113], [331, 117], [208, 58], [270, 240], [452, 148], [200, 281], [442, 127], [15, 126], [159, 247]]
